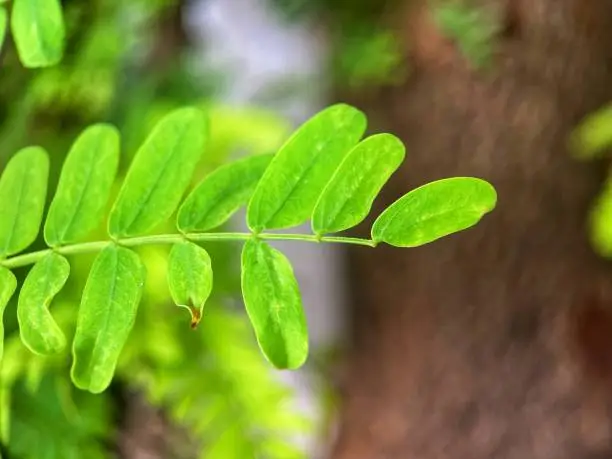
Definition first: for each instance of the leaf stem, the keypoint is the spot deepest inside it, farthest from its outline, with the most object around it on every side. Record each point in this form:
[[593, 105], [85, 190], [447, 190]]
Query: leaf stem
[[88, 247]]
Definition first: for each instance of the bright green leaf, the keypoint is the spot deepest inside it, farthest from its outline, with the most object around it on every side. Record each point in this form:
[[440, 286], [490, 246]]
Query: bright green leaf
[[434, 210], [3, 24], [290, 187], [160, 173], [106, 316], [220, 194], [274, 306], [349, 195], [8, 284], [38, 330], [190, 278], [594, 135], [23, 190], [84, 185], [601, 222], [38, 31]]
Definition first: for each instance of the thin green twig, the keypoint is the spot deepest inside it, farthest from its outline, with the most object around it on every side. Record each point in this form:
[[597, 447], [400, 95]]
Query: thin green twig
[[88, 247]]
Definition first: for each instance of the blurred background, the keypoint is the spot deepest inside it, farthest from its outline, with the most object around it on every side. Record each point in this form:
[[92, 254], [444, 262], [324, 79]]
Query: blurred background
[[480, 346]]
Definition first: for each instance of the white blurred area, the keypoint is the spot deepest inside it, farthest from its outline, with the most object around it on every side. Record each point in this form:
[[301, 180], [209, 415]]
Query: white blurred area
[[258, 51]]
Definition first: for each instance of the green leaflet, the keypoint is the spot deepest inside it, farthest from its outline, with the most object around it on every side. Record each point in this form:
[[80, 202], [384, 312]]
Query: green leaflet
[[84, 185], [599, 226], [160, 173], [220, 194], [348, 197], [39, 331], [8, 284], [3, 24], [593, 135], [274, 306], [434, 210], [106, 316], [190, 278], [38, 31], [291, 185], [23, 190]]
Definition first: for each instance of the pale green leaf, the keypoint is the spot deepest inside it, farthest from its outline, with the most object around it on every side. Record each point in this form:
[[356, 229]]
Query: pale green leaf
[[434, 210], [160, 173], [38, 31], [348, 197], [600, 224], [274, 306], [3, 24], [23, 190], [291, 185], [220, 194], [106, 316], [190, 278], [38, 330], [593, 135], [84, 185], [8, 284]]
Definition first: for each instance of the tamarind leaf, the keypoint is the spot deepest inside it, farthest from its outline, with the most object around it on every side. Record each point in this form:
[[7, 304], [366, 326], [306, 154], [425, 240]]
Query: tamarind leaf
[[106, 316], [8, 284], [274, 305], [291, 185], [348, 197], [39, 32], [3, 24], [593, 136], [39, 332], [221, 193], [190, 278], [160, 173], [84, 185], [433, 211], [23, 190], [600, 228]]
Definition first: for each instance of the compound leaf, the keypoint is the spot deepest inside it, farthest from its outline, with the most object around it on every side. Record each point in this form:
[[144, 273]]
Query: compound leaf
[[348, 197], [274, 306], [38, 330], [8, 284], [106, 316], [84, 185], [23, 190], [291, 185], [220, 194], [38, 31], [190, 278], [160, 173], [434, 210]]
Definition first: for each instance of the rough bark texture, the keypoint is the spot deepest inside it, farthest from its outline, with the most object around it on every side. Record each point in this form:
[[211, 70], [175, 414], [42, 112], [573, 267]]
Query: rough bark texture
[[497, 342]]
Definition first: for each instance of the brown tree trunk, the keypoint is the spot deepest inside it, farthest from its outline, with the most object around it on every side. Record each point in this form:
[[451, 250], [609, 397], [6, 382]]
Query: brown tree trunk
[[496, 342]]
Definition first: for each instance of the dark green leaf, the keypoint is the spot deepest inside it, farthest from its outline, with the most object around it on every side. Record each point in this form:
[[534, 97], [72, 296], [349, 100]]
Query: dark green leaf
[[38, 31], [190, 278], [84, 185], [39, 331], [23, 190], [290, 187], [434, 210], [160, 173], [221, 194], [106, 316], [8, 284], [348, 197], [273, 303]]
